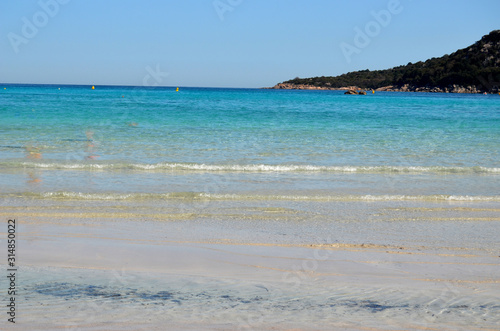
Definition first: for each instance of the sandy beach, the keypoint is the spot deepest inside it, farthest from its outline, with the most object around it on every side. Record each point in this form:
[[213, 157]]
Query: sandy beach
[[314, 266]]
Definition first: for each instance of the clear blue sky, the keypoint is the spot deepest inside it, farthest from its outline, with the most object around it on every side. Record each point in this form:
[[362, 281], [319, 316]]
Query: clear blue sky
[[257, 43]]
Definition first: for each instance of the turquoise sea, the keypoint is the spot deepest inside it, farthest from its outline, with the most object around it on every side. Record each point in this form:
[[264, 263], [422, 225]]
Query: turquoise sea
[[59, 141], [251, 209]]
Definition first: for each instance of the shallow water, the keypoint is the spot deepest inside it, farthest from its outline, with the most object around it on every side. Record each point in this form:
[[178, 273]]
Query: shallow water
[[156, 140], [308, 265], [139, 301]]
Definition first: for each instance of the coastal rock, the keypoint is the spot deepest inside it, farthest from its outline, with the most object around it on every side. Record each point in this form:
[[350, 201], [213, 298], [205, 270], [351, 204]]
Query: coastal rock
[[290, 86], [405, 88], [385, 88], [354, 88], [352, 91], [390, 88], [471, 89], [462, 89]]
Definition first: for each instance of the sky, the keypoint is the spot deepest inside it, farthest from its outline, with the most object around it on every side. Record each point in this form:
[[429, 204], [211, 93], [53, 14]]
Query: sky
[[227, 43]]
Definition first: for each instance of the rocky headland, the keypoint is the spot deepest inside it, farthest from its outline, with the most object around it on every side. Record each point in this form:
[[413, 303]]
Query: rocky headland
[[475, 69]]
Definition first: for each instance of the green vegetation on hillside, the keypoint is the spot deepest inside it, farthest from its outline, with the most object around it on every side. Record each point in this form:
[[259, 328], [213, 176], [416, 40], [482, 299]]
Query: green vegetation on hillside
[[477, 65]]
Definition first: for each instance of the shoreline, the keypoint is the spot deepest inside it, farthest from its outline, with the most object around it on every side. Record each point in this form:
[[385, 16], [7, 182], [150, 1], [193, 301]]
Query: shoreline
[[390, 88], [280, 86]]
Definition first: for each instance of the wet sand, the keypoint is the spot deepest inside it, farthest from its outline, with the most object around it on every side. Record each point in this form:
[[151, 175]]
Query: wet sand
[[253, 266]]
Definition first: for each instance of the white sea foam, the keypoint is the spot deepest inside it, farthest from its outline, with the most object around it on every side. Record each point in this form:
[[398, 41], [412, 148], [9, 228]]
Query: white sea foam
[[65, 195], [202, 167]]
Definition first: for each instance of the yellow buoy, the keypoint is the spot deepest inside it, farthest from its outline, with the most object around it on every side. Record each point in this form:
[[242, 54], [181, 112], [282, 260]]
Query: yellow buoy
[[93, 87], [177, 90], [373, 91]]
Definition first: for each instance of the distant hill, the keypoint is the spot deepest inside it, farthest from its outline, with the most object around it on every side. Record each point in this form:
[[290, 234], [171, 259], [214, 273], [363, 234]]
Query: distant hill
[[475, 69]]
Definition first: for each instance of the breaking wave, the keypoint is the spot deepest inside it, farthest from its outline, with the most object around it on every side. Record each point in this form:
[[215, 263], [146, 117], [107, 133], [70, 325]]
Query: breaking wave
[[266, 168], [193, 196]]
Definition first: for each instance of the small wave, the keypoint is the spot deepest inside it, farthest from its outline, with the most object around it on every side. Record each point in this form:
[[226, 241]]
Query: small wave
[[201, 167], [200, 196], [13, 147]]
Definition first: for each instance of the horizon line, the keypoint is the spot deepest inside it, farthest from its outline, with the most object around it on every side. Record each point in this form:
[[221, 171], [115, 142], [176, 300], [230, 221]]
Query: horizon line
[[133, 86]]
